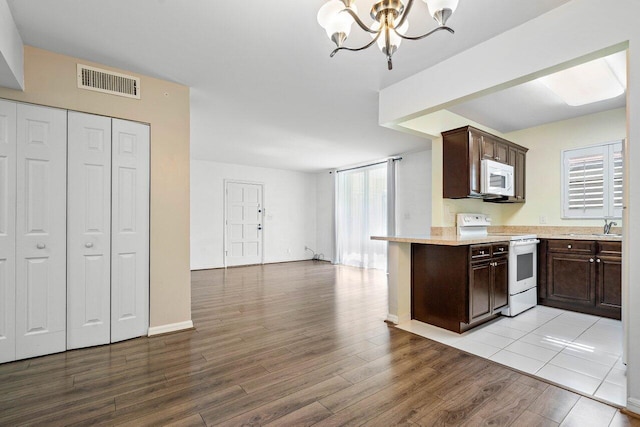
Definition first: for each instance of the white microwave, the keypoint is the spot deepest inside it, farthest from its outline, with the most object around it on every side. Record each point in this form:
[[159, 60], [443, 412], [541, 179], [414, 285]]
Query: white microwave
[[496, 178]]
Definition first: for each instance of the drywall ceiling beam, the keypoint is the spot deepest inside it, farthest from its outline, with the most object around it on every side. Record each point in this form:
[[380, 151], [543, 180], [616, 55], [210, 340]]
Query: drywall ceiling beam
[[572, 31]]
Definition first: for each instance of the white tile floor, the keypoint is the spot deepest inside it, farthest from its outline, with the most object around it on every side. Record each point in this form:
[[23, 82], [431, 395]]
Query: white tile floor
[[578, 351]]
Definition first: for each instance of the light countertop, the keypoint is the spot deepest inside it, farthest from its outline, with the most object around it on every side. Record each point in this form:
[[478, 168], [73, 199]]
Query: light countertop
[[428, 239]]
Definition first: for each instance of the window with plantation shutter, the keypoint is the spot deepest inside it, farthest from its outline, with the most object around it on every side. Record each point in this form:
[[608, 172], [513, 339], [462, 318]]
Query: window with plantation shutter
[[592, 182], [617, 163]]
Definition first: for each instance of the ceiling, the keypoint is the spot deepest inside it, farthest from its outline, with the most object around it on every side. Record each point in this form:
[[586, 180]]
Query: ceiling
[[264, 91], [532, 104]]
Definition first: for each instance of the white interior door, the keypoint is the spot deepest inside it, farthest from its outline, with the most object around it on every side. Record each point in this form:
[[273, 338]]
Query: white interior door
[[89, 231], [130, 230], [41, 231], [7, 230], [243, 223]]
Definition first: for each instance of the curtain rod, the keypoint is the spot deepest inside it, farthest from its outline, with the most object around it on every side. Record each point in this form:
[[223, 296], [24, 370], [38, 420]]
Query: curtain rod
[[371, 164]]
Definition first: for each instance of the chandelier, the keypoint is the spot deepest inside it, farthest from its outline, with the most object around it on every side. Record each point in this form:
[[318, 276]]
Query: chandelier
[[389, 27]]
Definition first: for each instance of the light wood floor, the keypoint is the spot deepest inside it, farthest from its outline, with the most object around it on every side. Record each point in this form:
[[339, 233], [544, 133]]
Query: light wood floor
[[286, 344]]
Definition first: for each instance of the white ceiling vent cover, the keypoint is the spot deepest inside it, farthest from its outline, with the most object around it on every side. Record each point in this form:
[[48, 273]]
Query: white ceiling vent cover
[[105, 81]]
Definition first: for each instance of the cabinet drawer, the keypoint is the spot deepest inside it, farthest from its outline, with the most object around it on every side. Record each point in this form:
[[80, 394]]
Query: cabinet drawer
[[610, 248], [479, 252], [500, 249], [572, 246]]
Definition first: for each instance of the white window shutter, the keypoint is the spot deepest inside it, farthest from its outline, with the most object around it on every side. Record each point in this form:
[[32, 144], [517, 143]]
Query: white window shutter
[[592, 182], [616, 168]]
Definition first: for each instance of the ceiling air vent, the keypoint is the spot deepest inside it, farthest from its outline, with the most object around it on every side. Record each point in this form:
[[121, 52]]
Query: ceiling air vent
[[105, 81]]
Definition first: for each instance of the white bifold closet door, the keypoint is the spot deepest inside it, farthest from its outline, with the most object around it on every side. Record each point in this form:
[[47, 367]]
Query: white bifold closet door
[[7, 231], [41, 184], [89, 231], [108, 260], [129, 230]]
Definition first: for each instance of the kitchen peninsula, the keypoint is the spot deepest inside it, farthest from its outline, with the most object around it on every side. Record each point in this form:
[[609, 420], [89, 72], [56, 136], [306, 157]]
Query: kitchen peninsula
[[447, 304], [454, 305]]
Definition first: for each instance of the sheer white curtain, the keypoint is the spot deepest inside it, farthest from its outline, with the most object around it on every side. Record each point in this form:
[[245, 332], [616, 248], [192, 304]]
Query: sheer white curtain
[[361, 211]]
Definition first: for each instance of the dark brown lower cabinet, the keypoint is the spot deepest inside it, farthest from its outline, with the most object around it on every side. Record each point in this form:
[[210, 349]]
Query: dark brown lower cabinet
[[581, 275], [459, 287], [488, 287]]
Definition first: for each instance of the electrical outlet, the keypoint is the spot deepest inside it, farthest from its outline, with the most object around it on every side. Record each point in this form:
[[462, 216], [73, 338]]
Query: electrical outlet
[[542, 219]]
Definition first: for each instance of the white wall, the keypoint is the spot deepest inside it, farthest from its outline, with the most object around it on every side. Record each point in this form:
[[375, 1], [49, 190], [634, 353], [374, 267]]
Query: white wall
[[413, 194], [11, 51], [325, 202], [290, 212]]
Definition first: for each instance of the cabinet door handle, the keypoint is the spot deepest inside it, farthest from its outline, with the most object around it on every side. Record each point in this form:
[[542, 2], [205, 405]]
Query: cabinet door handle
[[591, 260], [598, 260], [41, 246], [88, 245], [481, 252], [568, 246]]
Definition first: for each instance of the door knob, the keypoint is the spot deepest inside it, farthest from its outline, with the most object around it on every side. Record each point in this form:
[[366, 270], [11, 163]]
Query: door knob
[[41, 246], [88, 245]]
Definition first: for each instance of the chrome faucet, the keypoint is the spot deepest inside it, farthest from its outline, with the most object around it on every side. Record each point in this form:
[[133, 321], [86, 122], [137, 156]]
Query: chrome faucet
[[607, 226]]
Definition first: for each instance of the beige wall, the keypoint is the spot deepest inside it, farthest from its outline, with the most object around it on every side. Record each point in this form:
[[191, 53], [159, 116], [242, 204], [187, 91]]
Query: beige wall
[[544, 179], [50, 79], [543, 185]]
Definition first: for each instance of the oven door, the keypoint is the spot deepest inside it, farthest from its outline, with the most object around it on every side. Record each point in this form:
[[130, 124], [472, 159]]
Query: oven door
[[522, 266]]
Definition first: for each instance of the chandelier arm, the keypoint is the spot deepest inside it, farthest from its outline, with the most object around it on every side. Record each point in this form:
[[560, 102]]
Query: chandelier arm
[[358, 48], [359, 21], [424, 35], [405, 14]]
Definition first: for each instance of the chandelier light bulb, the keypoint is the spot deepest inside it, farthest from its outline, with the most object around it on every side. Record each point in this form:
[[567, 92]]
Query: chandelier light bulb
[[441, 10], [332, 18], [394, 39]]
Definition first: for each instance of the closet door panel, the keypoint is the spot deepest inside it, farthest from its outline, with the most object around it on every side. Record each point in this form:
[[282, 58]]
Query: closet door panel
[[41, 231], [130, 230], [89, 231], [7, 230]]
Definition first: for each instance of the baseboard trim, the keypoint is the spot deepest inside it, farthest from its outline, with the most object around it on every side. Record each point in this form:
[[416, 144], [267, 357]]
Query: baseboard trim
[[405, 318], [633, 407], [264, 263], [397, 320], [172, 327]]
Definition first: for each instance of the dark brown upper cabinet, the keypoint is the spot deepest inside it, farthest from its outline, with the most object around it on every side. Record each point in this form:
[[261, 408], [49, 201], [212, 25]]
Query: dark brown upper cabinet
[[463, 151]]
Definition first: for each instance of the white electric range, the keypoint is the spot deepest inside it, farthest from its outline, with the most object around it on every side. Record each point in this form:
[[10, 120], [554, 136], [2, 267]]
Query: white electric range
[[523, 280]]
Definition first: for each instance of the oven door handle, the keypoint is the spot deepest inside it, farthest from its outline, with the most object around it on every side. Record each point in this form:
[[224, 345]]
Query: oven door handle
[[525, 243]]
